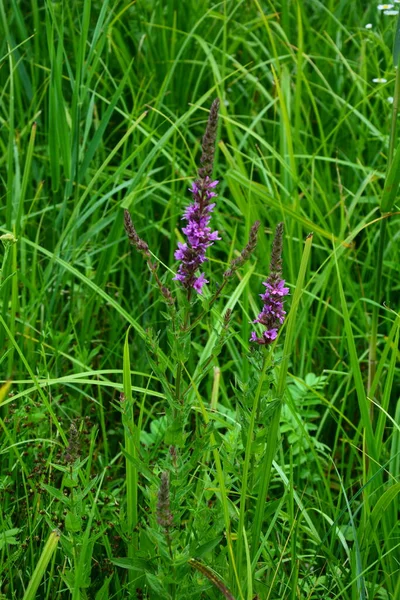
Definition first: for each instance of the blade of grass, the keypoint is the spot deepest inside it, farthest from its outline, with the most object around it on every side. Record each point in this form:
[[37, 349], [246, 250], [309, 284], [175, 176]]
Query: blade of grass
[[363, 403], [38, 574], [131, 446]]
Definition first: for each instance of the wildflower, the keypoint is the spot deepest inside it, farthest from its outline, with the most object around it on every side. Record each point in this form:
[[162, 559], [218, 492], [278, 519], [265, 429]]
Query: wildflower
[[272, 314], [385, 6], [379, 80], [8, 239], [368, 26], [390, 99], [391, 13], [192, 253]]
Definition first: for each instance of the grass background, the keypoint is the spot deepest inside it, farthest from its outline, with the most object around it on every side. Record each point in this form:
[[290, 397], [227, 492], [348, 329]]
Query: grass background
[[102, 107]]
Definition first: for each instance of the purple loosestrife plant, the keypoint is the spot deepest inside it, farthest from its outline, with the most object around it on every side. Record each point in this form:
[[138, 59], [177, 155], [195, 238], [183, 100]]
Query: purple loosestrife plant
[[272, 314], [199, 235]]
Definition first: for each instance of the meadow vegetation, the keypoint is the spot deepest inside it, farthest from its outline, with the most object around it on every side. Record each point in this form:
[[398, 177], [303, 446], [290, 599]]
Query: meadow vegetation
[[148, 448]]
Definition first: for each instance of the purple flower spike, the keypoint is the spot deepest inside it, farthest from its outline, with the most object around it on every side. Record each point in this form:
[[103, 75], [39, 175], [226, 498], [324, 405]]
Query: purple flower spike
[[272, 314], [199, 235]]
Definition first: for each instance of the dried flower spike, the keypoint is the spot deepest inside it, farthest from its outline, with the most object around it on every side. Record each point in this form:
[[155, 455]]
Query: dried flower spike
[[272, 314], [164, 515], [72, 452], [142, 247], [246, 252], [134, 239], [208, 142], [192, 253]]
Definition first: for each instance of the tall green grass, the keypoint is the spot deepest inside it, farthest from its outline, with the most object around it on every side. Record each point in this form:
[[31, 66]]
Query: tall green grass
[[102, 107]]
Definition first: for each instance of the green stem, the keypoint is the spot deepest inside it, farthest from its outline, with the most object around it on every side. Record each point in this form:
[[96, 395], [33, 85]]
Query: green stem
[[188, 327], [130, 435], [381, 248], [393, 125], [375, 310], [222, 488], [178, 379], [248, 462], [178, 382]]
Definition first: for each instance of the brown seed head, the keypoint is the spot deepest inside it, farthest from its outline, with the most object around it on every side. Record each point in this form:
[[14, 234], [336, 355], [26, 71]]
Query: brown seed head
[[208, 143]]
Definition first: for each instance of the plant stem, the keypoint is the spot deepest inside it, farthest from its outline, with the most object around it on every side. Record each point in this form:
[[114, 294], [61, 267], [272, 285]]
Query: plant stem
[[187, 327], [381, 249], [222, 488], [131, 450], [375, 310], [178, 378], [248, 461]]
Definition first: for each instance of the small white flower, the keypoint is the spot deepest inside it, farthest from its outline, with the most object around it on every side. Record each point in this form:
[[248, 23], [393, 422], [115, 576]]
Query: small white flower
[[369, 25], [390, 99], [391, 13], [8, 239], [379, 80], [385, 6]]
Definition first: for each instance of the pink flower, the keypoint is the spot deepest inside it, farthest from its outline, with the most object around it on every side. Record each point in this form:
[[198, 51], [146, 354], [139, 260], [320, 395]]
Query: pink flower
[[199, 282], [198, 215], [198, 233], [272, 314]]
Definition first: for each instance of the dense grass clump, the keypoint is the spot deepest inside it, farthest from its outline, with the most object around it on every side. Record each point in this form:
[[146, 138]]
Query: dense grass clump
[[149, 449]]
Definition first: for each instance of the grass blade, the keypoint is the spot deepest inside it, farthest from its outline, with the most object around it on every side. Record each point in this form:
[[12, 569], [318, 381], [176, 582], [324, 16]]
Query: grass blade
[[38, 574]]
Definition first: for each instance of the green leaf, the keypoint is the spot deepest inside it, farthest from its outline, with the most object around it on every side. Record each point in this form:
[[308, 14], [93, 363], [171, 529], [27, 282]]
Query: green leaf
[[8, 537], [380, 509], [174, 433], [204, 549], [73, 522], [156, 586], [134, 564], [56, 493], [103, 593], [69, 482]]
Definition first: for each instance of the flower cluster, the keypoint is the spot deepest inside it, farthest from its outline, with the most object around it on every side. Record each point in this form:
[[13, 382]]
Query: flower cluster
[[272, 314], [199, 235], [192, 253]]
